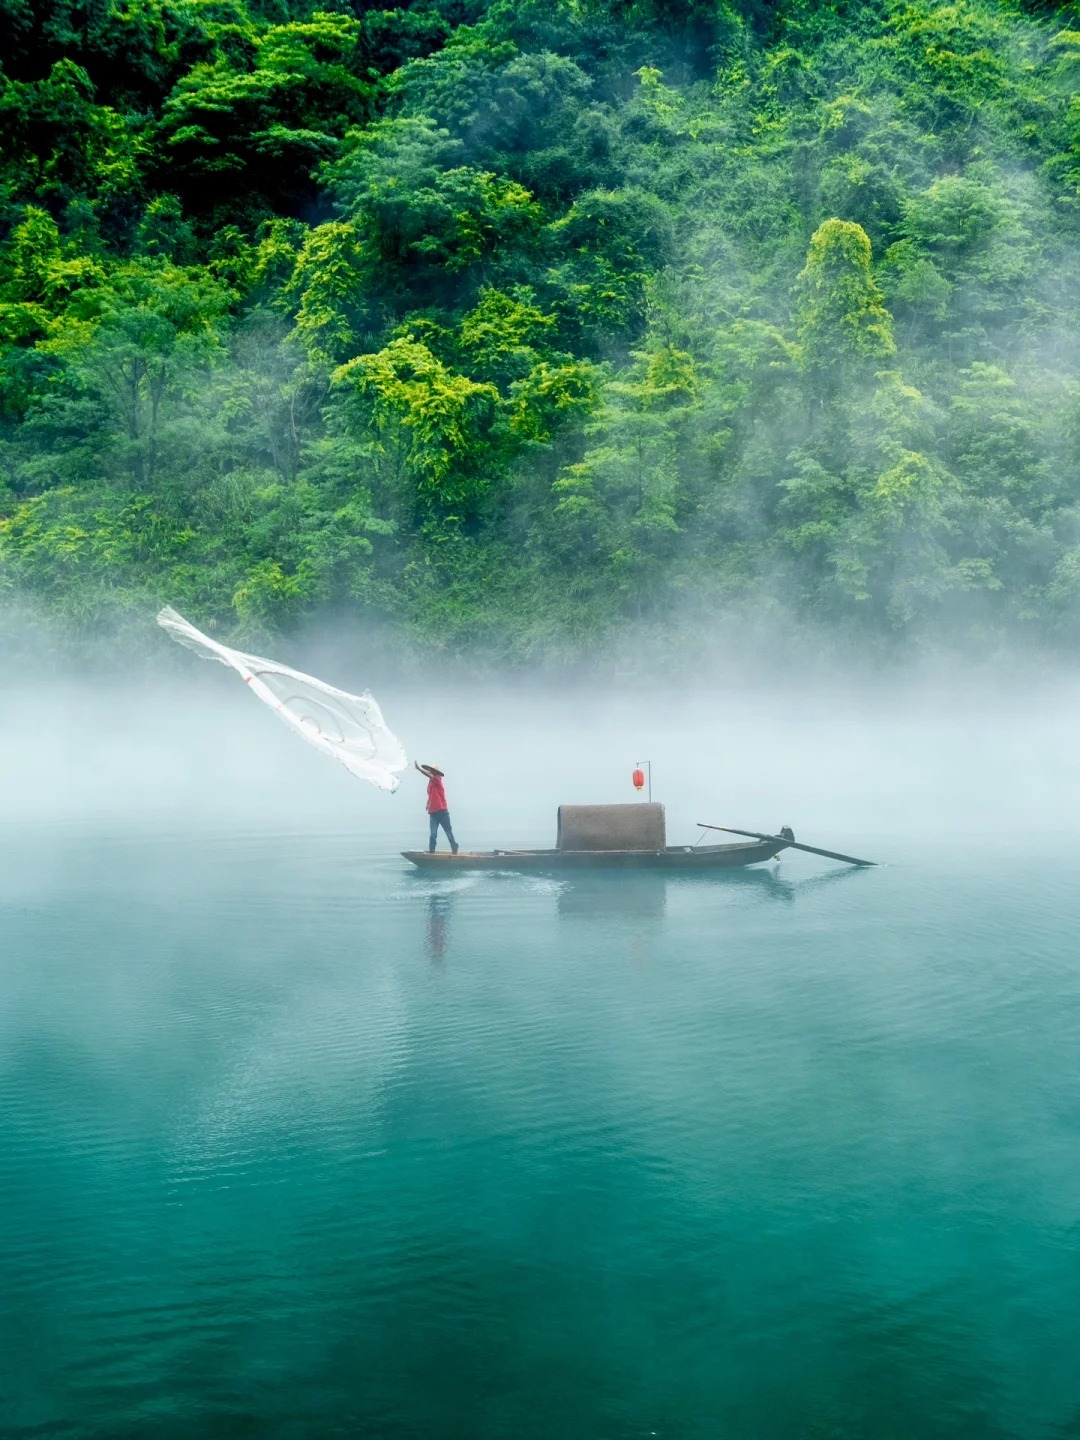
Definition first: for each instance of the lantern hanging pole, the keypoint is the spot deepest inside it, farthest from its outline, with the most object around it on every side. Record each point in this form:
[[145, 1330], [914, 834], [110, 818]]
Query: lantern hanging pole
[[648, 768]]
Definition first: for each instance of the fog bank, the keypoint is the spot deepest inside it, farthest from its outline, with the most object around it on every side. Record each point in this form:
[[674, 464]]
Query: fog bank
[[842, 767]]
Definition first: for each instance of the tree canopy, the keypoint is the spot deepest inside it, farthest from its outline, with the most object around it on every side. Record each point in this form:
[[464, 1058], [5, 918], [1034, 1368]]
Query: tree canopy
[[504, 325]]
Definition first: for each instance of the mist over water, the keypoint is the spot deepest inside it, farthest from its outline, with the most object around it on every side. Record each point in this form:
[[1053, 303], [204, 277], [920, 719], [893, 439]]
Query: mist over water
[[888, 759], [294, 1140]]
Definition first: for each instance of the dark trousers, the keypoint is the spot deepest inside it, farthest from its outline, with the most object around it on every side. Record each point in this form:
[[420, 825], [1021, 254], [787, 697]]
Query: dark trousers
[[437, 818]]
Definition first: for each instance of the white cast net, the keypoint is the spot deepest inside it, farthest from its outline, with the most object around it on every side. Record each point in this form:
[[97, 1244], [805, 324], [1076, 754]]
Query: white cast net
[[348, 727]]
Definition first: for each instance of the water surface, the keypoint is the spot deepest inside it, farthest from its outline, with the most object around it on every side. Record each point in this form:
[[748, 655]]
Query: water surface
[[294, 1142]]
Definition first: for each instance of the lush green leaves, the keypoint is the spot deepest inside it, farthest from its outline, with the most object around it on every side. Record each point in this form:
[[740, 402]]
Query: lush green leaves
[[840, 320], [507, 323]]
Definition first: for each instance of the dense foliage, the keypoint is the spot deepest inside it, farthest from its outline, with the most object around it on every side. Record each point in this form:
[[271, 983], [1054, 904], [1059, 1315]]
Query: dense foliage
[[510, 323]]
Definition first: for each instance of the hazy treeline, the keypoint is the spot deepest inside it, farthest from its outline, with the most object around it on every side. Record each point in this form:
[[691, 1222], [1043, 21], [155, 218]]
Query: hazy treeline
[[508, 325]]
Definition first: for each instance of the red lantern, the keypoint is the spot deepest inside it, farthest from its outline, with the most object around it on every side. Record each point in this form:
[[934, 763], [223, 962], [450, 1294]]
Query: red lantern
[[638, 778]]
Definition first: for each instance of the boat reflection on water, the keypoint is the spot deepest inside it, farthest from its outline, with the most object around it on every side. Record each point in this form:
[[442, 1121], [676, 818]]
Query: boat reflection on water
[[611, 895], [631, 903]]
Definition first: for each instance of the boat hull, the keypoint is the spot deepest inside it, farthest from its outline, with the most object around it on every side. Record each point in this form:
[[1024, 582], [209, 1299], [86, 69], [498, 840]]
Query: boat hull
[[673, 858]]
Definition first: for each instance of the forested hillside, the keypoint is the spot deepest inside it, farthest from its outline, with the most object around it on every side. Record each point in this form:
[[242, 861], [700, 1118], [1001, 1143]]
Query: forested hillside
[[511, 327]]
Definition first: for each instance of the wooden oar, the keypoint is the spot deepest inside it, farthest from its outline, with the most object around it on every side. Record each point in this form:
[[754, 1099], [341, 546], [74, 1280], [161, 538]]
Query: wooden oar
[[791, 844]]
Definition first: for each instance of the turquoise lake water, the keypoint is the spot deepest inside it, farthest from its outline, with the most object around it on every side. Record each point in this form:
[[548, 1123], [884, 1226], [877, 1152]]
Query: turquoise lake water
[[295, 1142]]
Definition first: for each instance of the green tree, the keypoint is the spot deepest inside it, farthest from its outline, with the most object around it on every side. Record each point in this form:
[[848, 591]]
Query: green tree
[[426, 217], [621, 503], [259, 131], [57, 144], [142, 345], [841, 322], [438, 428]]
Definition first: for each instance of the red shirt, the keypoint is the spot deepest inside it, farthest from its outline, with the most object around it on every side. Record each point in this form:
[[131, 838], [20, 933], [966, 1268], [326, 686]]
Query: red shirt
[[436, 795]]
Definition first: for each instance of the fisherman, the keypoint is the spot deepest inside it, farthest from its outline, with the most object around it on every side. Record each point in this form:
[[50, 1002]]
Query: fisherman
[[438, 814]]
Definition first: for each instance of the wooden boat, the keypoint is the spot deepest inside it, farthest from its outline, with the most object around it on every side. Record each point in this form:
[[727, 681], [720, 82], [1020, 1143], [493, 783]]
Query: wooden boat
[[671, 858], [608, 837]]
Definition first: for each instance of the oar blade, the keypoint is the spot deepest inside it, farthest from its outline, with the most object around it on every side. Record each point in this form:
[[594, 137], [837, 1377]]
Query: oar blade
[[832, 855]]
